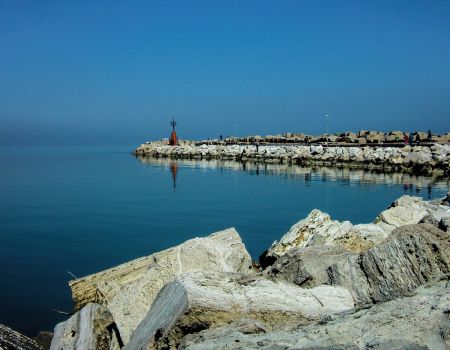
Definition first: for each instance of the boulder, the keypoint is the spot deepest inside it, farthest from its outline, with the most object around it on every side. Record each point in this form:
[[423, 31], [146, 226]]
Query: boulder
[[308, 267], [12, 340], [410, 257], [128, 290], [91, 328], [444, 224], [361, 140], [201, 300], [319, 229], [44, 339], [419, 321], [408, 210]]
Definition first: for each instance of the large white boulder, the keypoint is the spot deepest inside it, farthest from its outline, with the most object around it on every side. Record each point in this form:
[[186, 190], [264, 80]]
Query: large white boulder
[[128, 290], [419, 321], [200, 300]]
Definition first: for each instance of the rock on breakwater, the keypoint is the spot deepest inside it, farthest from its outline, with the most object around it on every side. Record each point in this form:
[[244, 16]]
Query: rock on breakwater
[[418, 159], [317, 291]]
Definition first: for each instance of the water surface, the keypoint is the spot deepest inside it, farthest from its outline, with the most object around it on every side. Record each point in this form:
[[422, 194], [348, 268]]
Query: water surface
[[87, 209]]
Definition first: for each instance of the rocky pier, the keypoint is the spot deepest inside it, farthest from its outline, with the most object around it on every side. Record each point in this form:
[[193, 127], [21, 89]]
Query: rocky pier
[[426, 160], [324, 284]]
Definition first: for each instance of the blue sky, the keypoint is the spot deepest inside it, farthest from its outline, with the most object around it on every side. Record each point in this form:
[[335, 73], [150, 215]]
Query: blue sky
[[115, 72]]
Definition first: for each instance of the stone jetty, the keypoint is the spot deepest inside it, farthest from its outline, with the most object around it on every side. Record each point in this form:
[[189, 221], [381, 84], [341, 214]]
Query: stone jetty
[[324, 284], [428, 160]]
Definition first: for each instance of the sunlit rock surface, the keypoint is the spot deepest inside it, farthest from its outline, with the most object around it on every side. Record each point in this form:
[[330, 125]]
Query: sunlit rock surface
[[201, 300], [319, 229], [419, 321], [128, 290], [90, 328], [410, 257]]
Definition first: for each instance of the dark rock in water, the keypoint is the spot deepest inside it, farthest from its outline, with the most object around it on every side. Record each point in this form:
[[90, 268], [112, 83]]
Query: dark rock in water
[[410, 257], [12, 340], [44, 339]]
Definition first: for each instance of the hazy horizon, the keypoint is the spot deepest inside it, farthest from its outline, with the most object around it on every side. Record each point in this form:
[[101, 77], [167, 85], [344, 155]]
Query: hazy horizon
[[116, 73]]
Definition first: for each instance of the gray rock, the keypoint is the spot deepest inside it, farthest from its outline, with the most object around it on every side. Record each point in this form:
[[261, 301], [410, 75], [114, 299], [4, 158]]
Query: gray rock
[[44, 339], [128, 290], [419, 321], [444, 224], [12, 340], [308, 267], [410, 257], [200, 300], [90, 328]]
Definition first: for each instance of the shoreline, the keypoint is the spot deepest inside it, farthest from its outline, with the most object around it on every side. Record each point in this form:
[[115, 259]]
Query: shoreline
[[206, 292], [420, 160]]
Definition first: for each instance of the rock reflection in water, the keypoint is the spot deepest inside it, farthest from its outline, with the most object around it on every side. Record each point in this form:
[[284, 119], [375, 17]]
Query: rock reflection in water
[[173, 170], [412, 184]]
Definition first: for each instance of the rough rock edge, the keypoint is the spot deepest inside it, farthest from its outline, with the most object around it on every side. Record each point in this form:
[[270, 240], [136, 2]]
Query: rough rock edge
[[13, 340], [420, 320]]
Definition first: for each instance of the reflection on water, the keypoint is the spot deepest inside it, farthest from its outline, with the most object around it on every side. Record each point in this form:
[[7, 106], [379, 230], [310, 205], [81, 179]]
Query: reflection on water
[[412, 184], [173, 170]]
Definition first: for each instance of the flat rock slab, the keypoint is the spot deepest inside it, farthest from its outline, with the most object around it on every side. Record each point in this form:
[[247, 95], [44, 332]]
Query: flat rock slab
[[200, 300], [88, 329], [417, 322], [12, 340], [128, 290]]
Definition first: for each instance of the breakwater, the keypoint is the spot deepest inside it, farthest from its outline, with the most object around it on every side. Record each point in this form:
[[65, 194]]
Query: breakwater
[[355, 285], [426, 160]]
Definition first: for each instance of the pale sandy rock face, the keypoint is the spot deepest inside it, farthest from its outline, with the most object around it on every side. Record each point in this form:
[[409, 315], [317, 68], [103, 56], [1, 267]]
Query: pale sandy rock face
[[319, 229], [129, 290], [408, 210], [89, 328], [200, 300], [414, 322]]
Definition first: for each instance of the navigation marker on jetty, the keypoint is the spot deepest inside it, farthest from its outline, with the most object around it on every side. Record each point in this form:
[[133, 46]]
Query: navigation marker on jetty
[[173, 141]]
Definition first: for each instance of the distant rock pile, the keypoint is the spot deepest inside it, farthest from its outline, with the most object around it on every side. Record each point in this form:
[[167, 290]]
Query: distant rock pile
[[324, 285], [419, 159], [362, 137]]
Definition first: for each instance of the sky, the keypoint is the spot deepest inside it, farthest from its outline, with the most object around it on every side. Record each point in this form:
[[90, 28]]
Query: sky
[[116, 72]]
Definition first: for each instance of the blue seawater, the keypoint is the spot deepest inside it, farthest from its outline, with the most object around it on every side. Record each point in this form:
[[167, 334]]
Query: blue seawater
[[84, 209]]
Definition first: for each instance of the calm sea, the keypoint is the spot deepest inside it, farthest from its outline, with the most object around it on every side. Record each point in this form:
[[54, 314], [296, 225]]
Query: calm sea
[[86, 209]]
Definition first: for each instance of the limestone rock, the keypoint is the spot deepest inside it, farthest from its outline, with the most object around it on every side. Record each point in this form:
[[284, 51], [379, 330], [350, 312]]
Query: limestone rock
[[308, 267], [128, 290], [12, 340], [316, 229], [408, 210], [90, 328], [200, 300], [411, 256], [419, 321], [319, 229]]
